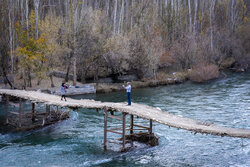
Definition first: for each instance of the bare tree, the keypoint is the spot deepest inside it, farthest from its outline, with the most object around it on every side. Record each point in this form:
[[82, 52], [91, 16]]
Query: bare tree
[[190, 16], [36, 4], [115, 11], [211, 22]]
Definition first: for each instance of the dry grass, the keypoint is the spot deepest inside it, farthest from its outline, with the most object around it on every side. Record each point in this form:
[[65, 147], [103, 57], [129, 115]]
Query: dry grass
[[162, 76], [182, 76], [204, 72]]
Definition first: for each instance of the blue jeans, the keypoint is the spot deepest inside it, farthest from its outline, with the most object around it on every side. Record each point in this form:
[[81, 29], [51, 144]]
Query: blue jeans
[[129, 98]]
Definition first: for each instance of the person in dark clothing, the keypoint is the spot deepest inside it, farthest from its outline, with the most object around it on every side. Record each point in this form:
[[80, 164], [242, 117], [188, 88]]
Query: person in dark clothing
[[63, 92]]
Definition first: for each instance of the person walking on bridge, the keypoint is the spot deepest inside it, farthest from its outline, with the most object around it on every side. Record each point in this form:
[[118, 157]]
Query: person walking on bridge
[[128, 89], [63, 91]]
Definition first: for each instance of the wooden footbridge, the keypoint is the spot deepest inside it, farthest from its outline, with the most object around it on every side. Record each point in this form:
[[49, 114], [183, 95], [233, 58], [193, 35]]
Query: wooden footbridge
[[139, 110]]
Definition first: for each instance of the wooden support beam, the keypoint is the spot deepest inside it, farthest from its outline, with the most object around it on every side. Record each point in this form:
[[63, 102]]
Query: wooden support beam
[[13, 104], [147, 128], [150, 126], [115, 117], [119, 128], [115, 130], [105, 128], [132, 128], [33, 112], [16, 113], [47, 113], [123, 130], [131, 124], [20, 113], [135, 129], [112, 131], [7, 109], [47, 109], [115, 142]]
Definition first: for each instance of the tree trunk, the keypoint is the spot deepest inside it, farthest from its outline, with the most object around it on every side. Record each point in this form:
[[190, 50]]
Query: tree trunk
[[27, 15], [172, 9], [51, 80], [21, 3], [195, 14], [202, 14], [132, 15], [29, 78], [190, 16], [67, 72], [166, 12], [24, 79], [120, 28], [75, 29], [114, 24], [127, 15], [211, 23], [232, 14], [39, 81], [74, 70], [36, 5], [11, 39], [107, 7], [7, 80], [96, 75]]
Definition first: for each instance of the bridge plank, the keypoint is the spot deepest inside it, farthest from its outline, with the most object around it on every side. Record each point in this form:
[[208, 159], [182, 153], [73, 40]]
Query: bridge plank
[[139, 110]]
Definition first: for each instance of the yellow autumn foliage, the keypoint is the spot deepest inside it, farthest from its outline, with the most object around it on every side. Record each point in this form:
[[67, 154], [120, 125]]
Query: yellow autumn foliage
[[32, 55]]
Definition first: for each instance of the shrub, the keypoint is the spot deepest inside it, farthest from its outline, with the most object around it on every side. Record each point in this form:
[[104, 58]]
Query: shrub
[[183, 51], [144, 53], [162, 76], [204, 72]]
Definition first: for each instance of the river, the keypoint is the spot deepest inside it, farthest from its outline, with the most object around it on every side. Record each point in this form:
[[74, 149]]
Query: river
[[78, 141]]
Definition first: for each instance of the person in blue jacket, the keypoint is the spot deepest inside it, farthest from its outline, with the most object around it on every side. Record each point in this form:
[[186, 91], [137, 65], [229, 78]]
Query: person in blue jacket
[[128, 89]]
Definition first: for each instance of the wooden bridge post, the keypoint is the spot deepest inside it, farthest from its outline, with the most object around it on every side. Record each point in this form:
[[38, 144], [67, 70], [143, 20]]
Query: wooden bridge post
[[132, 128], [33, 112], [123, 130], [47, 112], [105, 128], [20, 113], [131, 124], [150, 126], [47, 109], [7, 109]]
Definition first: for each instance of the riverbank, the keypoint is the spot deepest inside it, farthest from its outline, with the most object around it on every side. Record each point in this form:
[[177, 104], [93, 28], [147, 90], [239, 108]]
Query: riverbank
[[163, 79], [45, 85], [159, 80]]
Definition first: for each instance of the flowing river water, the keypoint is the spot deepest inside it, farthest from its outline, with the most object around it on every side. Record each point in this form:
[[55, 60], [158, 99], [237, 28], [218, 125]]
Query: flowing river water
[[78, 141]]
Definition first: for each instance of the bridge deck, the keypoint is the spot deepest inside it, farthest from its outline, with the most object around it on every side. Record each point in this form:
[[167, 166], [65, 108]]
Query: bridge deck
[[140, 110]]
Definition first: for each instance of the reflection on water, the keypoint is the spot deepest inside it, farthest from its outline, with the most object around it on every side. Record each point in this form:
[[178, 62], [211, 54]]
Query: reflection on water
[[79, 140]]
